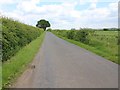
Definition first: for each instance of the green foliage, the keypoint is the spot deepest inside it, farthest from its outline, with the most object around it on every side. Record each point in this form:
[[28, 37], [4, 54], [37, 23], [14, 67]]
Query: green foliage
[[70, 34], [15, 36], [81, 36], [77, 35], [17, 64], [105, 29], [105, 43], [49, 29], [43, 24]]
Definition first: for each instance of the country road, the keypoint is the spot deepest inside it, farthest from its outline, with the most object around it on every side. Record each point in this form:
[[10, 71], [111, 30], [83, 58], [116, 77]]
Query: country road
[[60, 64]]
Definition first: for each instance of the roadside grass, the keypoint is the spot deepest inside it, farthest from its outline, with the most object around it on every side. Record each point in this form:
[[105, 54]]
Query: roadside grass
[[17, 64], [0, 75], [99, 50]]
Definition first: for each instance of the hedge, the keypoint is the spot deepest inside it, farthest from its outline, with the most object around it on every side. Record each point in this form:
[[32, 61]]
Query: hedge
[[16, 35], [77, 35]]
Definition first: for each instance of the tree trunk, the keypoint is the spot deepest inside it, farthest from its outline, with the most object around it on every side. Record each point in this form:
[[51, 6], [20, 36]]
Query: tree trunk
[[44, 28]]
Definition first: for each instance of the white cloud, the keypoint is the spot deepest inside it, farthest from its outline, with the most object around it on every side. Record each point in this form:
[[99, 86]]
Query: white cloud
[[6, 1], [63, 1], [28, 5], [65, 15], [113, 6], [93, 6]]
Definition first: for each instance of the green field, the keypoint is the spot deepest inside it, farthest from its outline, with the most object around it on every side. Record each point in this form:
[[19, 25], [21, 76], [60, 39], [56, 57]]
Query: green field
[[17, 64], [107, 42], [103, 43]]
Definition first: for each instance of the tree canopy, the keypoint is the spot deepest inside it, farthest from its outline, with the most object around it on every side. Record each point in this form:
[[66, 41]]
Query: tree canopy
[[43, 24]]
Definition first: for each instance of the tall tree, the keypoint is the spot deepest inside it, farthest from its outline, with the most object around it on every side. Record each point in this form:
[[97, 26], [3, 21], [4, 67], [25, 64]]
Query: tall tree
[[43, 24]]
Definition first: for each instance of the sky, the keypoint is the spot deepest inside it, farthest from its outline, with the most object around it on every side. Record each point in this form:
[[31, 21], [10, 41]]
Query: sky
[[63, 14]]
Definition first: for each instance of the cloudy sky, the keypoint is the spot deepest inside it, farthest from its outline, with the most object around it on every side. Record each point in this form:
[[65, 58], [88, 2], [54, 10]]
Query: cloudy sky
[[63, 14]]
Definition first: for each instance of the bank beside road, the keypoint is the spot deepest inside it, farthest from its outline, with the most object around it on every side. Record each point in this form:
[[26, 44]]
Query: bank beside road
[[14, 67]]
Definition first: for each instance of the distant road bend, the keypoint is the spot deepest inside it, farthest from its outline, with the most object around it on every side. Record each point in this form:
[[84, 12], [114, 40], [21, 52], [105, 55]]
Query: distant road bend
[[60, 64]]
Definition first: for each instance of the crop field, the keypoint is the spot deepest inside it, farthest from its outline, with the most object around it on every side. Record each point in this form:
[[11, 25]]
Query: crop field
[[104, 43]]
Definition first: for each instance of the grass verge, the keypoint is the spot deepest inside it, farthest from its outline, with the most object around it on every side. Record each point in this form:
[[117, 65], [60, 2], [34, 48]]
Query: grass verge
[[97, 50], [0, 75], [17, 64]]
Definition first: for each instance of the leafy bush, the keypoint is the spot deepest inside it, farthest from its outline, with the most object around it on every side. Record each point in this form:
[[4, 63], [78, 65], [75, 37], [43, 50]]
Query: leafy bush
[[77, 35], [49, 29], [16, 35], [70, 34], [81, 36]]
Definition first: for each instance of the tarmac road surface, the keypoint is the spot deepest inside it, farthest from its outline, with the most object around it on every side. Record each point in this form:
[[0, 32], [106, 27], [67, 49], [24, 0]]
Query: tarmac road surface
[[60, 64]]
